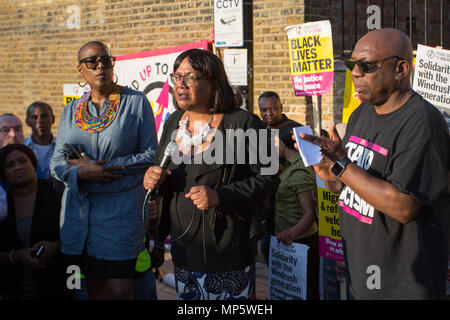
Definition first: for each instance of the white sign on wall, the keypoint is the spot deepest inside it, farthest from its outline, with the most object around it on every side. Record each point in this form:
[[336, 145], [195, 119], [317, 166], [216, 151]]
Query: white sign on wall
[[228, 23], [235, 62], [72, 91]]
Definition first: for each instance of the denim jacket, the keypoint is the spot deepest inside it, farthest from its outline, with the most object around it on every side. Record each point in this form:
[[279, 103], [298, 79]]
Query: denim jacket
[[106, 218]]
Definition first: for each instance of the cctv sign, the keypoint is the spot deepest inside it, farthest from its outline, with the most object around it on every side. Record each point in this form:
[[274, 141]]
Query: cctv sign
[[228, 23]]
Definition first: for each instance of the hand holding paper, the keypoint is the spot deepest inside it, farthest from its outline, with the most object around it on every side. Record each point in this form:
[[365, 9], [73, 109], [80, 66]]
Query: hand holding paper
[[309, 151], [331, 148]]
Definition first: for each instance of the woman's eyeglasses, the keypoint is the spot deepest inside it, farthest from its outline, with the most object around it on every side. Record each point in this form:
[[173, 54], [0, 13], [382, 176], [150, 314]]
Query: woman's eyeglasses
[[367, 67], [93, 62], [188, 80]]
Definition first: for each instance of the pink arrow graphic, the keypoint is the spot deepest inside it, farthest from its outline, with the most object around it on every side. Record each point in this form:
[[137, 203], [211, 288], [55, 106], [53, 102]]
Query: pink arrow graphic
[[163, 103]]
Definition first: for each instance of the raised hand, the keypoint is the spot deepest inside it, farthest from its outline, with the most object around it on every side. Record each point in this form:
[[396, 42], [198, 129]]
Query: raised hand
[[331, 148]]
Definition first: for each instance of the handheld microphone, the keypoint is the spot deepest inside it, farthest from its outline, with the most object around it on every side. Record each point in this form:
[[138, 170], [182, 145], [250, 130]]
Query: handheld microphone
[[170, 148]]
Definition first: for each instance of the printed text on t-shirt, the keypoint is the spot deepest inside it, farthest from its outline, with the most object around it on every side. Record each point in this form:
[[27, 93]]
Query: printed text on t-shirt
[[361, 152]]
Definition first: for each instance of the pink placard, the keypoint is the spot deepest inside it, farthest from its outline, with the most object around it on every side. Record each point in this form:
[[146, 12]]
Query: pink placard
[[312, 84], [331, 248]]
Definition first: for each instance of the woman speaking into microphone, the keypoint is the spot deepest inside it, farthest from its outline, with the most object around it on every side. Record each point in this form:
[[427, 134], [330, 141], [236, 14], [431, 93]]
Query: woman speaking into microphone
[[209, 208]]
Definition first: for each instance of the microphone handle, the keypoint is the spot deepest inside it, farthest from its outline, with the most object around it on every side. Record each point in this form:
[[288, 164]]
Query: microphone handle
[[163, 165]]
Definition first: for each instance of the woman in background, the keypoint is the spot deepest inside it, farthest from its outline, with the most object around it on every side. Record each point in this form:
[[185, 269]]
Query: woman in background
[[32, 222], [295, 214]]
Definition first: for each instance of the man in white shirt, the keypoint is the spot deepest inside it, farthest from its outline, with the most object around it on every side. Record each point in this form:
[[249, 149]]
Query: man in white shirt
[[40, 119]]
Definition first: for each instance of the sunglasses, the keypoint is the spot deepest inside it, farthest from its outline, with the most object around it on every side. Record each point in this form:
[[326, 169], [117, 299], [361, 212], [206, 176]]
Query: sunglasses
[[365, 66], [93, 62]]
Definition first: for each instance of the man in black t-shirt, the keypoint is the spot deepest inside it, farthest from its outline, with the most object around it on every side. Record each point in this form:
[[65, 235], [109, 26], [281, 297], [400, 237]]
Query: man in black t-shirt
[[391, 170]]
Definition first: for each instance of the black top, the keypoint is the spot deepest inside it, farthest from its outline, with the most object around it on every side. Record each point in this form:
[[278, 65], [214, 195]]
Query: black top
[[223, 238], [50, 281], [188, 217], [409, 148]]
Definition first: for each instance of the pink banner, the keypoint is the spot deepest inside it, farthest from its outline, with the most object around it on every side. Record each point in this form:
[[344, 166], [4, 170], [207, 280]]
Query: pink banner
[[331, 248], [149, 72], [312, 84]]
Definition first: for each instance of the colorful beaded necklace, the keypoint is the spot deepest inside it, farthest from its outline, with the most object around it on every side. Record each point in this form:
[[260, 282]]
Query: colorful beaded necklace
[[86, 122]]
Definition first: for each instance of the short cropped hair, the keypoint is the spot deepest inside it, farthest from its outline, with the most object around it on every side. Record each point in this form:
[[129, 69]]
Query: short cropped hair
[[269, 94], [8, 115], [286, 131], [93, 43], [38, 104]]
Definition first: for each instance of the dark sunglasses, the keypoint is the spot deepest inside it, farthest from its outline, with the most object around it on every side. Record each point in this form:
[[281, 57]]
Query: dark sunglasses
[[93, 62], [365, 66]]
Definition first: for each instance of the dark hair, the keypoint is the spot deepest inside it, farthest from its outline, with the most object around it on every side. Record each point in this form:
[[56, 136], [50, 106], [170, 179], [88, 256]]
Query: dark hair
[[38, 104], [93, 43], [269, 94], [6, 150], [286, 132], [211, 67], [8, 114]]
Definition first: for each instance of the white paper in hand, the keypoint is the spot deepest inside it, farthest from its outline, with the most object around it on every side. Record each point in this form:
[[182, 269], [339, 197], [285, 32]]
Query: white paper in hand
[[309, 151]]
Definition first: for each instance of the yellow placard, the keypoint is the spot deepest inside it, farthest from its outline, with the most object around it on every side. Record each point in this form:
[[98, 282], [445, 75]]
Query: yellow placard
[[67, 99], [351, 97], [311, 54], [328, 213]]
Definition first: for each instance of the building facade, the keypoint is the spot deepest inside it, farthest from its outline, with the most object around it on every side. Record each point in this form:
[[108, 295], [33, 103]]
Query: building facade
[[40, 40]]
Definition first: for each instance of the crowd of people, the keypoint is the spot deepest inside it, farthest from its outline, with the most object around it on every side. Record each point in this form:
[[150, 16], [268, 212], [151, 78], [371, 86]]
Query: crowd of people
[[94, 195]]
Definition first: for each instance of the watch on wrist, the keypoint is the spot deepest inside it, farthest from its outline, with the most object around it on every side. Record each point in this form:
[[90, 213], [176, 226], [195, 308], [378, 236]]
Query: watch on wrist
[[11, 258], [339, 166]]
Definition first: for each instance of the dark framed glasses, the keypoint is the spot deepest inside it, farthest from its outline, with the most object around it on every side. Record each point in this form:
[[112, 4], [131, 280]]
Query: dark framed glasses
[[365, 66], [93, 62], [188, 80]]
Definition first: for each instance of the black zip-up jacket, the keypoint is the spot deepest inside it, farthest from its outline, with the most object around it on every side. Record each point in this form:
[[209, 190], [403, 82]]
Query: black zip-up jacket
[[223, 238], [51, 280]]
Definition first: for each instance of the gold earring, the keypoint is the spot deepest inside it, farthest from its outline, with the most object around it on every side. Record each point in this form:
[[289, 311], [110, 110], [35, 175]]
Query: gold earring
[[82, 85]]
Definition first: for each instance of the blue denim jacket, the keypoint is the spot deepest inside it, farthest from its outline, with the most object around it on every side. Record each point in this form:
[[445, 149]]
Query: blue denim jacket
[[106, 217]]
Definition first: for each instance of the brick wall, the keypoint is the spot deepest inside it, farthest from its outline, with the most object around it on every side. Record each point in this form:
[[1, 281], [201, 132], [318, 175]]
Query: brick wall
[[39, 51], [271, 58]]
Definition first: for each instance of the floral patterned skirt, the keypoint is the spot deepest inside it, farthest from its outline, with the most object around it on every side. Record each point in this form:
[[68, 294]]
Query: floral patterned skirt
[[229, 285]]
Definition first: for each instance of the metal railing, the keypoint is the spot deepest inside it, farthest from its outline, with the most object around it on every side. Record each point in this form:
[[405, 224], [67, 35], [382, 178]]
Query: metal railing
[[416, 13]]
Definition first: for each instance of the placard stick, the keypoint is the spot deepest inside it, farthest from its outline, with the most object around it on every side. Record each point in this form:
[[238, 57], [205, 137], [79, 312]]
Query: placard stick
[[317, 114]]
